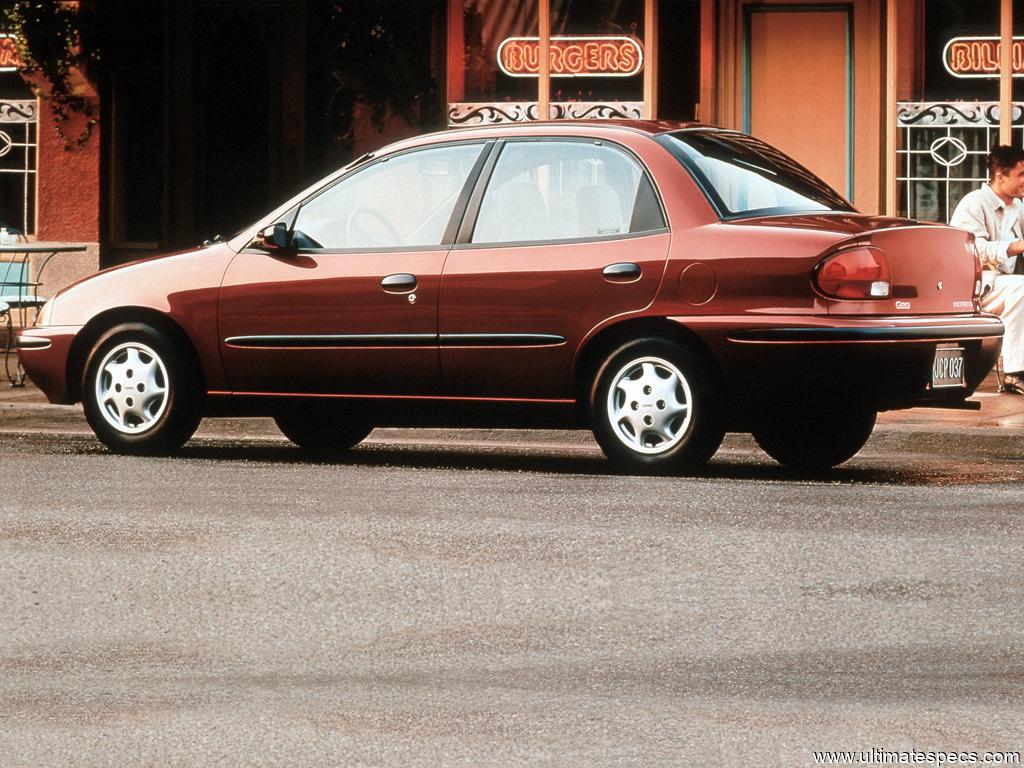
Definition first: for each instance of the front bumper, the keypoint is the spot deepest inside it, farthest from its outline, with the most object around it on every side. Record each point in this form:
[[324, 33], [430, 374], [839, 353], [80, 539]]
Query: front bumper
[[44, 355]]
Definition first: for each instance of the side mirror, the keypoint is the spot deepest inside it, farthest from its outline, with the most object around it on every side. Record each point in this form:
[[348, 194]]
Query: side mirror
[[274, 238]]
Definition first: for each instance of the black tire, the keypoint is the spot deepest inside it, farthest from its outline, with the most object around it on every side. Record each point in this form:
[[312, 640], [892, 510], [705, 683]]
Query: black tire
[[132, 362], [653, 433], [815, 440], [323, 428]]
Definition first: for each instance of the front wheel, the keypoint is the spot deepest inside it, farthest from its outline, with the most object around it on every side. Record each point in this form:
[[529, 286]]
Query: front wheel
[[322, 428], [815, 440], [655, 408], [142, 393]]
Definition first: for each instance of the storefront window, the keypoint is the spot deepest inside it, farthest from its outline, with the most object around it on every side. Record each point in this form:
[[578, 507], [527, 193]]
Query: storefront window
[[485, 24], [617, 53], [18, 138], [596, 59], [961, 50], [945, 137]]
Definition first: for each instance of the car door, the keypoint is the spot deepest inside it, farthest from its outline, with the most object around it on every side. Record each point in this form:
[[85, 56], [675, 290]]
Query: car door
[[353, 307], [565, 234]]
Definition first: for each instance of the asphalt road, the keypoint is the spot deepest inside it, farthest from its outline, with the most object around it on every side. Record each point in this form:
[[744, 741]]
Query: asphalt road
[[447, 598]]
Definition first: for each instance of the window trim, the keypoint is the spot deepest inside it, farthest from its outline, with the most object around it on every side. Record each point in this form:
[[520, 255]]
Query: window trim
[[464, 239], [458, 211], [375, 249], [566, 241]]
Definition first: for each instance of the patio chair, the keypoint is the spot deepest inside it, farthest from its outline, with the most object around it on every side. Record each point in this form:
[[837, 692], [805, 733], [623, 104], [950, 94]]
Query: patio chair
[[17, 295]]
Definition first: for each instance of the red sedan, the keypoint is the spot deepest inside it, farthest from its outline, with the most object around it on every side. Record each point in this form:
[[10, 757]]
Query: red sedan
[[659, 283]]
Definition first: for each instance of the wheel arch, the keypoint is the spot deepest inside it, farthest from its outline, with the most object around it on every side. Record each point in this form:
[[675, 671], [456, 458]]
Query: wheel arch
[[85, 339], [598, 348]]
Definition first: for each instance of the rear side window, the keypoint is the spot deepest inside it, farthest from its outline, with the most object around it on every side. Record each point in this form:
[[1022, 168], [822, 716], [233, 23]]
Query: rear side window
[[402, 201], [565, 190], [743, 176]]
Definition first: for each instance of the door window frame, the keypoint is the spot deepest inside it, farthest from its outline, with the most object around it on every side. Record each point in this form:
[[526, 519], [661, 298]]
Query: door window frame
[[463, 240], [451, 228]]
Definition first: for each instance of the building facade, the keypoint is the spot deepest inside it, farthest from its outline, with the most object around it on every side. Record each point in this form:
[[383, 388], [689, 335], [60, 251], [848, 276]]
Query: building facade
[[211, 112]]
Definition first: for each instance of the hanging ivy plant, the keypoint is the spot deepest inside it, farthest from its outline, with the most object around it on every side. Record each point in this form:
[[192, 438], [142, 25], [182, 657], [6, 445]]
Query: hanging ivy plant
[[371, 61], [48, 36]]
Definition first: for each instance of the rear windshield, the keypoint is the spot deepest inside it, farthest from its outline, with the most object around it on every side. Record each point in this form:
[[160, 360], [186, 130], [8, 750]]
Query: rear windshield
[[743, 177]]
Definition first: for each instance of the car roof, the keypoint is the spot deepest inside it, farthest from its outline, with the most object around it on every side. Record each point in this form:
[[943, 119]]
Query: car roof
[[595, 128]]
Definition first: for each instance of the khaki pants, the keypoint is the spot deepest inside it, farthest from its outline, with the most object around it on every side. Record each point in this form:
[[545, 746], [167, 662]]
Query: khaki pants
[[1006, 299]]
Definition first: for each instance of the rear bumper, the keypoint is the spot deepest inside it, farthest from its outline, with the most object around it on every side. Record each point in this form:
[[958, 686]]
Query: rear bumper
[[796, 363], [970, 327]]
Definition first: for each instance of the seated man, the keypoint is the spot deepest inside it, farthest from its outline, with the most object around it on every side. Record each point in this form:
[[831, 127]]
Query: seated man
[[995, 214]]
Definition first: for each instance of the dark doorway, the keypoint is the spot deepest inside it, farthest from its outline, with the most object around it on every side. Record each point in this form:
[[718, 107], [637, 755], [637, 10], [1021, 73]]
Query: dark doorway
[[236, 108]]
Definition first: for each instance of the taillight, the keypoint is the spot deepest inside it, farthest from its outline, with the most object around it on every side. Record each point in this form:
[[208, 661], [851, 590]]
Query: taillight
[[856, 273]]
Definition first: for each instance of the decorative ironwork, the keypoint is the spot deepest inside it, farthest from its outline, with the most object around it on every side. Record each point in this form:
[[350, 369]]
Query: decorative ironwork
[[486, 114], [18, 139], [960, 113], [469, 113], [943, 152], [948, 151], [617, 110], [24, 111]]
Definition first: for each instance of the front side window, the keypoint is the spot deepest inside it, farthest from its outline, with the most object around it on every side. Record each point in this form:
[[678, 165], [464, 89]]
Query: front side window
[[743, 176], [402, 201], [565, 190]]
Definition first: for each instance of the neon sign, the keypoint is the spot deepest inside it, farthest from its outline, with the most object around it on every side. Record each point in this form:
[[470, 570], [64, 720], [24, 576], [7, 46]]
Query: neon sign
[[9, 58], [979, 56], [573, 56]]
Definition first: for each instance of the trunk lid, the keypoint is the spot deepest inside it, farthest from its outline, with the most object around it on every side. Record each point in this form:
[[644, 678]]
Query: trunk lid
[[932, 265]]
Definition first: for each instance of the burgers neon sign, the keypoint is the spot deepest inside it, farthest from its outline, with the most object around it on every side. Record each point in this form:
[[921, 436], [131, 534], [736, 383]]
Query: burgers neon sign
[[979, 56], [573, 56], [9, 58]]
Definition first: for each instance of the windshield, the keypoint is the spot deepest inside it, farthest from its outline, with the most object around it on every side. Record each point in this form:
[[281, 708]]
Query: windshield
[[742, 176]]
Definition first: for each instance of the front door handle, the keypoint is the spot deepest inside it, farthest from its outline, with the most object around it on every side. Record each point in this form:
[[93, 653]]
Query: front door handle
[[402, 282], [623, 272]]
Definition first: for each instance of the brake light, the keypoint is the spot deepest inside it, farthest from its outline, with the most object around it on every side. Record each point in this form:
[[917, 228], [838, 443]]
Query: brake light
[[856, 273]]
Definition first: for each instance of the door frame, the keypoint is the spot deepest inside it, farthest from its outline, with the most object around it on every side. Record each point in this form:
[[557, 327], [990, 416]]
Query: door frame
[[847, 10]]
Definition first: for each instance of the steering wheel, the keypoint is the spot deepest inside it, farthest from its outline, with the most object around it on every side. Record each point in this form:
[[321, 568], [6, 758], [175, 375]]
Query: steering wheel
[[359, 235]]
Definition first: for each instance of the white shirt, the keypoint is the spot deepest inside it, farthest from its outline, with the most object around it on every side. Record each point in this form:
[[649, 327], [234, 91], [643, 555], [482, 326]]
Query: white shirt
[[994, 224]]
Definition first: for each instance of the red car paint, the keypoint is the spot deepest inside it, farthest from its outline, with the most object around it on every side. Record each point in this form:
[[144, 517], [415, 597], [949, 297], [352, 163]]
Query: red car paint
[[741, 289]]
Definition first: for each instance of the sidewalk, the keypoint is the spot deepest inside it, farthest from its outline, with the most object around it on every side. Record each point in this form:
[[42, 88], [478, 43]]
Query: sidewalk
[[998, 411]]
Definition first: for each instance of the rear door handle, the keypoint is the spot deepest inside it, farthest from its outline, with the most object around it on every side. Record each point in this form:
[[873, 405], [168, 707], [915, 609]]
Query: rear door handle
[[623, 272], [401, 282]]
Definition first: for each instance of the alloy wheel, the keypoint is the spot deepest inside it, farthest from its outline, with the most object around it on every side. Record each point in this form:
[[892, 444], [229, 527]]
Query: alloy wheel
[[132, 388], [648, 405]]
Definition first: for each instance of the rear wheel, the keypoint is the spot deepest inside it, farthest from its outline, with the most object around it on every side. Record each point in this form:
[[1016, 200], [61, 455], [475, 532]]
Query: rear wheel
[[655, 408], [323, 428], [815, 440], [142, 392]]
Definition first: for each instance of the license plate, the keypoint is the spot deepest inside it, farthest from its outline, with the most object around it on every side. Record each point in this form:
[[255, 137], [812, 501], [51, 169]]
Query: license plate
[[948, 367]]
